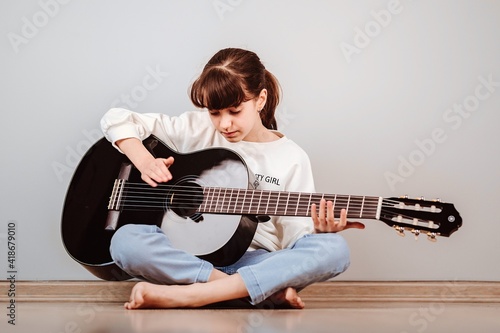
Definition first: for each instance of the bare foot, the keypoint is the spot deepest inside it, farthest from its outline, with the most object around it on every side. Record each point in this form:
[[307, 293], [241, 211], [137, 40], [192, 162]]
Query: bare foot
[[288, 297], [147, 295]]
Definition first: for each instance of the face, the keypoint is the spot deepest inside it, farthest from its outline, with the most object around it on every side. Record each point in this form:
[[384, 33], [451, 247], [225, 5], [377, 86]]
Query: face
[[241, 122]]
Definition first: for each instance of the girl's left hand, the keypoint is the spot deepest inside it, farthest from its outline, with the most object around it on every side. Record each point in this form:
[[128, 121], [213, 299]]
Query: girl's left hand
[[324, 220]]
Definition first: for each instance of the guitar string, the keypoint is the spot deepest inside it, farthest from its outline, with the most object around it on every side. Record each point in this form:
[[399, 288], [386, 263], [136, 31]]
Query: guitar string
[[272, 199], [384, 212], [161, 205], [187, 201], [371, 204], [196, 189], [269, 199], [368, 205], [161, 187]]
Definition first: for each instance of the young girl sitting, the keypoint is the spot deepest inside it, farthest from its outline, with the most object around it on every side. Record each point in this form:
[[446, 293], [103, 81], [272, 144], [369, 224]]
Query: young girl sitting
[[286, 254]]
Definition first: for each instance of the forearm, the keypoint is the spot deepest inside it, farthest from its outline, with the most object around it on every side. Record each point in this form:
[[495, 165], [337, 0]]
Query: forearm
[[136, 152], [153, 170]]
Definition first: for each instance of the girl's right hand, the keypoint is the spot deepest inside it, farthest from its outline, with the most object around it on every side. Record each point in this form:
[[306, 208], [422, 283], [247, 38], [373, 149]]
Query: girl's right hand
[[156, 170], [153, 170]]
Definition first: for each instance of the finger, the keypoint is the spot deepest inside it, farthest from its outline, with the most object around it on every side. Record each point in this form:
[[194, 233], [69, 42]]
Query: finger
[[322, 214], [329, 212], [168, 161], [157, 175], [343, 218], [148, 180], [330, 218], [159, 171], [355, 225], [162, 172], [314, 216]]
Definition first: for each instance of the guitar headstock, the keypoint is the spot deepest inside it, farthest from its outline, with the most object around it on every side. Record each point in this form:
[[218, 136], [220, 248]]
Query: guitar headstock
[[435, 218]]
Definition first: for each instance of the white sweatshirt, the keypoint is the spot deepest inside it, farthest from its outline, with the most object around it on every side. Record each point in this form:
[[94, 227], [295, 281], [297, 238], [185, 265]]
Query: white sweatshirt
[[279, 165]]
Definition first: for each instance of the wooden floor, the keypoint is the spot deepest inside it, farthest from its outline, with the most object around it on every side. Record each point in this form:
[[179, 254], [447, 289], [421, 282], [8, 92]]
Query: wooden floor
[[400, 307], [84, 317]]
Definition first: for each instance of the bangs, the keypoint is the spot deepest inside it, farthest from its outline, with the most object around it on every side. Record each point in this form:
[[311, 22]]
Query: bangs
[[218, 89]]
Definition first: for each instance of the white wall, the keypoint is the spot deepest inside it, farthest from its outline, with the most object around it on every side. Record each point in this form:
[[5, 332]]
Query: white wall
[[358, 112]]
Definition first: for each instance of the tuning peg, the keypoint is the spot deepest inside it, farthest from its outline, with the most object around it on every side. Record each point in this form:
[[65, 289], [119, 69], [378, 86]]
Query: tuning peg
[[400, 230], [416, 232], [431, 236], [437, 200], [422, 198]]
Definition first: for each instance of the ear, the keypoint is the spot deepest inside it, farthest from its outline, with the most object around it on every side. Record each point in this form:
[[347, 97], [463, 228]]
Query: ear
[[261, 99]]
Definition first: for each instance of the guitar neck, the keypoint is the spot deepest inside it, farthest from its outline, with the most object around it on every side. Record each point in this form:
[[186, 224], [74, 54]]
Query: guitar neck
[[279, 203]]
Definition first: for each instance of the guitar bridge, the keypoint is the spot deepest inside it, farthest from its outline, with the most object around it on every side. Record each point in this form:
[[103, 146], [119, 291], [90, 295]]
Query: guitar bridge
[[115, 199]]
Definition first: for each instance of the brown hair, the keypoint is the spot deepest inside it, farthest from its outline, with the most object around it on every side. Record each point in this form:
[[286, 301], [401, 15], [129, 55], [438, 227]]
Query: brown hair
[[233, 76]]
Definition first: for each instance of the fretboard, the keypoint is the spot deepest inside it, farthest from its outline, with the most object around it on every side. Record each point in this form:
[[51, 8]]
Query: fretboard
[[219, 200]]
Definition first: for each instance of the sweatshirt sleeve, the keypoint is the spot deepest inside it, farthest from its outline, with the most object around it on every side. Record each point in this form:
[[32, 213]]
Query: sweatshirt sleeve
[[181, 133], [119, 124]]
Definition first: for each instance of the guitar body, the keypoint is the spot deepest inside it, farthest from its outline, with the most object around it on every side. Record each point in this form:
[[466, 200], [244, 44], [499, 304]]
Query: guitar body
[[220, 239]]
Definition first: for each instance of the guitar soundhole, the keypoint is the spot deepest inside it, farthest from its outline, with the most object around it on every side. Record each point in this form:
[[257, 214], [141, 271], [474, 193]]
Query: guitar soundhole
[[185, 198]]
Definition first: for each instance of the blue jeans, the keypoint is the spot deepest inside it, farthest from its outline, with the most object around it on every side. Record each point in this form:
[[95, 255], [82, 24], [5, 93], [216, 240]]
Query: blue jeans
[[145, 252]]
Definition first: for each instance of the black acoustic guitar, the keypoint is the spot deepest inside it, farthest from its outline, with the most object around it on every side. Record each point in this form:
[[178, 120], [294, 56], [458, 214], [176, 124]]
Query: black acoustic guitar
[[208, 209]]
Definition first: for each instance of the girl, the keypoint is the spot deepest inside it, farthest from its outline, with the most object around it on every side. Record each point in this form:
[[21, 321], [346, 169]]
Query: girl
[[286, 254]]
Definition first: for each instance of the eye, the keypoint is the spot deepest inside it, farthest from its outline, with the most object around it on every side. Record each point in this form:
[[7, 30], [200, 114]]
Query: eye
[[213, 112]]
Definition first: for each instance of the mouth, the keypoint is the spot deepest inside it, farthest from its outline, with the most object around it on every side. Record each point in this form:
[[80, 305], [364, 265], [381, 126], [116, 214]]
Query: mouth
[[229, 134]]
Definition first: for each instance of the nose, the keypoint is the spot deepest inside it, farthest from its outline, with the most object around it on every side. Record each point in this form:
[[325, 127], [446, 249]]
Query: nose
[[226, 121]]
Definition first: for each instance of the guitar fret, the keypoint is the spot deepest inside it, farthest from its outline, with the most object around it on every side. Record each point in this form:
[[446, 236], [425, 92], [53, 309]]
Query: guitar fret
[[293, 202], [309, 204], [244, 201], [258, 205], [362, 206], [219, 203], [296, 209], [333, 208], [223, 200], [236, 201], [287, 200], [268, 199], [277, 204], [343, 203], [212, 199], [250, 205], [229, 203], [347, 208]]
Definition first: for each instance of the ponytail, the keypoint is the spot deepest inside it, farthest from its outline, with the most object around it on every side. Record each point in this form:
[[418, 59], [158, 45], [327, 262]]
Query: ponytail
[[273, 98]]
